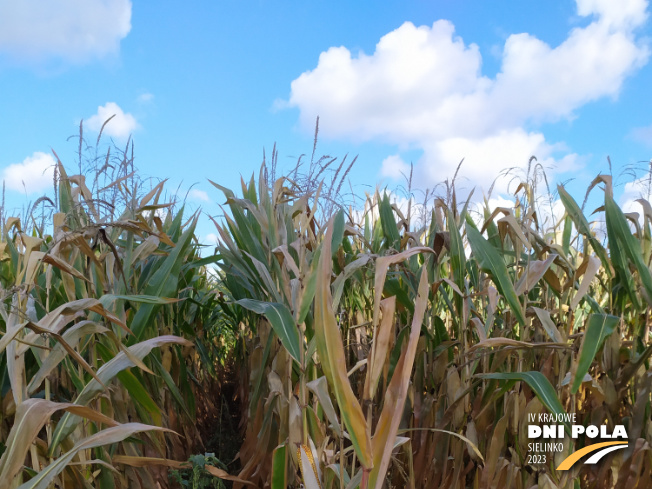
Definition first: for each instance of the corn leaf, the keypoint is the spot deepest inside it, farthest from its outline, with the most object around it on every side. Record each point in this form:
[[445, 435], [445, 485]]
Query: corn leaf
[[491, 262], [320, 388], [390, 229], [105, 373], [538, 383], [163, 283], [280, 317], [45, 477], [616, 220], [331, 354], [279, 467], [30, 418], [583, 227], [598, 327], [394, 399]]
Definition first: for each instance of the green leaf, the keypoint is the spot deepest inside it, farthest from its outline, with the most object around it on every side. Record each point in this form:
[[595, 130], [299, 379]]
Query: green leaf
[[598, 327], [140, 299], [583, 227], [66, 202], [616, 220], [338, 283], [566, 236], [390, 229], [491, 262], [279, 467], [338, 231], [458, 257], [172, 387], [164, 282], [280, 317], [538, 383], [619, 261], [139, 393], [309, 290], [400, 290], [205, 261]]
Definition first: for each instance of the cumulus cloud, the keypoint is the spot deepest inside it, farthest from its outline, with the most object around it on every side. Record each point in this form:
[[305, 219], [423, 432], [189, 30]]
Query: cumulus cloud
[[640, 188], [121, 126], [617, 14], [34, 174], [196, 194], [423, 87], [394, 167], [211, 239], [71, 30]]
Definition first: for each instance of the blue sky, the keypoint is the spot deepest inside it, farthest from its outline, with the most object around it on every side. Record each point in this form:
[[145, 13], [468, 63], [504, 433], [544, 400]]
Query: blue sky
[[203, 87]]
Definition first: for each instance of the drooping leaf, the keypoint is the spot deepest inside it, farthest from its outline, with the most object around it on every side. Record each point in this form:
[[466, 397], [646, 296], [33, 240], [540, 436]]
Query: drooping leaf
[[548, 325], [105, 373], [538, 383], [223, 474], [58, 353], [592, 267], [534, 272], [320, 388], [280, 317], [46, 477], [31, 416], [382, 265]]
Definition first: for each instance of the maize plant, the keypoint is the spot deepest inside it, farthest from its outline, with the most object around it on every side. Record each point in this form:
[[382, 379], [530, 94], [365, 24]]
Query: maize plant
[[379, 351], [102, 316]]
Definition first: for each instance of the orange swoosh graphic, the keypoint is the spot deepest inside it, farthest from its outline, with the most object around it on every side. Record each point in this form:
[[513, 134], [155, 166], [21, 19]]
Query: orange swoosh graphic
[[574, 457]]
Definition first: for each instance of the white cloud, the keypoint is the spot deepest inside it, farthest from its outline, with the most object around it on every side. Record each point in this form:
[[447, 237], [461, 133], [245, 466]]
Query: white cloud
[[34, 174], [640, 188], [486, 157], [642, 135], [121, 126], [494, 202], [210, 239], [72, 30], [394, 167], [423, 87], [196, 194], [617, 14], [146, 97]]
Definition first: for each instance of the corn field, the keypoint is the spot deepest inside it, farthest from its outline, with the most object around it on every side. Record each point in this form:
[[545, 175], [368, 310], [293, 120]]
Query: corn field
[[371, 347]]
